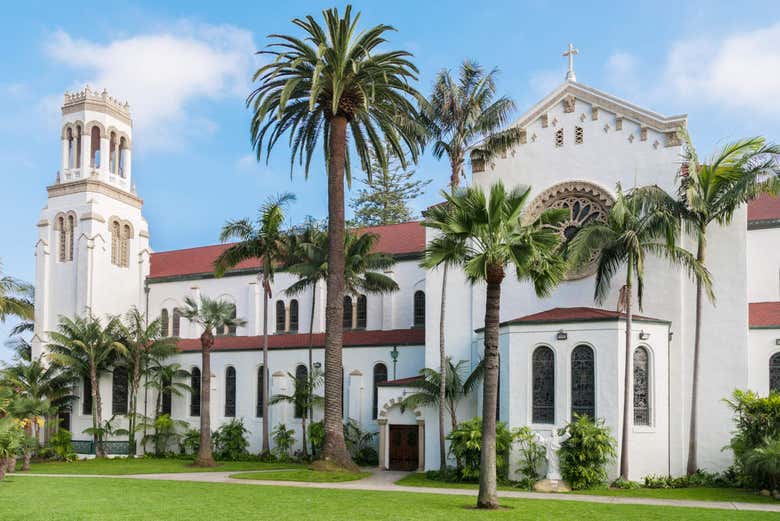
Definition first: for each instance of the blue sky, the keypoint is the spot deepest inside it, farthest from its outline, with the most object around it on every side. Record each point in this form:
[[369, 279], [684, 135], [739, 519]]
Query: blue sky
[[185, 68]]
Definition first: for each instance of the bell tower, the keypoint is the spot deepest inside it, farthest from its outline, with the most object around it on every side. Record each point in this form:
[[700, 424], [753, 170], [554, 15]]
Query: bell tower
[[92, 253]]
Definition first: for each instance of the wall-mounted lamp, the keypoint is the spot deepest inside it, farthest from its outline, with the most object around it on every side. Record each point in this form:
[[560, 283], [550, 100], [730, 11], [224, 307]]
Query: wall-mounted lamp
[[643, 335], [671, 335], [317, 365], [561, 335], [394, 357], [777, 341]]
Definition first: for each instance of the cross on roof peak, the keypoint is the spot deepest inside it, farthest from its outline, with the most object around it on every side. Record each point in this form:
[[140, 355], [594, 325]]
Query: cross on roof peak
[[571, 52]]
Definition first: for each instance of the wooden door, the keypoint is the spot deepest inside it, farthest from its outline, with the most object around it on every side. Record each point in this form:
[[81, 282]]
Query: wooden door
[[403, 447]]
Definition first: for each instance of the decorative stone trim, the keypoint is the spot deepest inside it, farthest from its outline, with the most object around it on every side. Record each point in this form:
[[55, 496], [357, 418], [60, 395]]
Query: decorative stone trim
[[279, 374], [569, 102], [594, 112], [86, 99], [43, 223], [392, 402], [96, 186], [545, 122], [523, 137], [355, 372], [643, 134], [618, 122], [92, 216], [672, 139], [144, 234]]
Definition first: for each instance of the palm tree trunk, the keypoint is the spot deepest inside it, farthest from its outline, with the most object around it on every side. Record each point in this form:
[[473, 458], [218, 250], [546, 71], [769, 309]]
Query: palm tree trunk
[[443, 366], [266, 392], [335, 449], [310, 410], [303, 437], [628, 380], [488, 496], [131, 419], [205, 458], [97, 414], [693, 463]]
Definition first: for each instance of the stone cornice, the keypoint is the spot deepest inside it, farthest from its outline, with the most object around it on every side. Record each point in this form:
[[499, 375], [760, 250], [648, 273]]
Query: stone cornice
[[95, 186], [763, 224], [92, 216]]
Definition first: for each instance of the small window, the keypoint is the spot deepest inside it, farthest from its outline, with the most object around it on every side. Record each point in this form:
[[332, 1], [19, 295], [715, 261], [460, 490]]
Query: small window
[[578, 135], [164, 325], [86, 397], [419, 309], [380, 376], [230, 392], [176, 322], [115, 238], [362, 312], [559, 137], [119, 391], [543, 379], [641, 386], [774, 373], [347, 322], [260, 391], [301, 377], [195, 394], [280, 318], [294, 316]]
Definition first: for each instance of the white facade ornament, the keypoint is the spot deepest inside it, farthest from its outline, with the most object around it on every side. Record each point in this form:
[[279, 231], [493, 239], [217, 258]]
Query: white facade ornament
[[570, 53], [583, 117], [553, 445], [555, 122], [631, 138], [606, 127]]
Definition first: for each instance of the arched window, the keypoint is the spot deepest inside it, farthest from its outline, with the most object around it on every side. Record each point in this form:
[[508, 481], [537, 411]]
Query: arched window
[[294, 316], [280, 316], [362, 311], [167, 396], [94, 149], [583, 386], [62, 234], [124, 249], [65, 226], [71, 159], [543, 378], [69, 232], [176, 327], [380, 375], [119, 391], [260, 391], [122, 156], [347, 322], [195, 394], [164, 323], [86, 397], [301, 377], [641, 386], [115, 238], [774, 373], [230, 392], [419, 309], [112, 153], [231, 330]]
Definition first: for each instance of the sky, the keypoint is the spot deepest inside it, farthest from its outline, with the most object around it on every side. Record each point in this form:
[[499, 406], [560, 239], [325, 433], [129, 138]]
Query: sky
[[186, 69]]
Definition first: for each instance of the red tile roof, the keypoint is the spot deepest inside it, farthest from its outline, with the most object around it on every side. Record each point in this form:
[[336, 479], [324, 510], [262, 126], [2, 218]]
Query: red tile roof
[[395, 239], [401, 382], [764, 208], [578, 314], [394, 337], [764, 314]]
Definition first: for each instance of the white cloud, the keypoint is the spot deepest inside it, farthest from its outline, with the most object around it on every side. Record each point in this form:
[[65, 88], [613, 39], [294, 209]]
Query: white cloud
[[621, 71], [163, 74], [542, 82], [741, 71]]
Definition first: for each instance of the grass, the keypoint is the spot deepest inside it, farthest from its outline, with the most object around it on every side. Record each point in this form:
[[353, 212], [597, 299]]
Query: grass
[[107, 499], [693, 493], [124, 466], [311, 476]]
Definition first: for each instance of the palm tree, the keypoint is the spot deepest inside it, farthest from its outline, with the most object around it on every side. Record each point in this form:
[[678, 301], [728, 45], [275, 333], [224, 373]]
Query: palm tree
[[331, 84], [710, 193], [86, 347], [304, 397], [456, 386], [486, 234], [634, 229], [264, 241], [212, 315], [167, 379], [144, 342], [16, 298], [18, 342], [464, 115]]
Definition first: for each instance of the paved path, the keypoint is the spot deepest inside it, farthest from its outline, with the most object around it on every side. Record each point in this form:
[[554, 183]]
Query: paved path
[[385, 481]]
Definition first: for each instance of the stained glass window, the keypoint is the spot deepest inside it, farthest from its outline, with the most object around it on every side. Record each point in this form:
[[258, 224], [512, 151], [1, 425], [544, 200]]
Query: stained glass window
[[301, 375], [230, 392], [641, 386], [362, 312], [176, 328], [543, 378], [164, 322], [195, 394], [583, 395], [419, 308], [347, 322], [260, 392], [167, 397], [86, 397], [294, 316], [774, 373], [119, 391], [380, 375], [280, 318]]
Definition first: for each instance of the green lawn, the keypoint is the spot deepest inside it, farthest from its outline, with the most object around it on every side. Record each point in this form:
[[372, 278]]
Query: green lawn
[[694, 493], [85, 499], [311, 476], [123, 466]]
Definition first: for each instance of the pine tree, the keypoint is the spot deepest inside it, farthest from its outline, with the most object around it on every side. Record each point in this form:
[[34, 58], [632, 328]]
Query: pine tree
[[386, 195]]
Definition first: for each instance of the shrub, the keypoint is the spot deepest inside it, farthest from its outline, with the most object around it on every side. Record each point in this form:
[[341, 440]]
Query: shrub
[[165, 432], [190, 441], [586, 452], [698, 479], [763, 463], [757, 419], [532, 453], [60, 446], [230, 443], [466, 445], [624, 484], [284, 439], [316, 437], [360, 444]]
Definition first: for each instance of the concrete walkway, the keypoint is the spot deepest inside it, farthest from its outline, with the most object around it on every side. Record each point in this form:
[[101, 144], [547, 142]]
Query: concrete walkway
[[384, 481]]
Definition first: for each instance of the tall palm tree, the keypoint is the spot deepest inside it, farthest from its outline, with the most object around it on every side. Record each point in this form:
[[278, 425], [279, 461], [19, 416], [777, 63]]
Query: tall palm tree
[[486, 233], [304, 397], [144, 341], [635, 228], [264, 241], [18, 342], [711, 192], [333, 84], [88, 348], [167, 379], [462, 115], [211, 315], [16, 298]]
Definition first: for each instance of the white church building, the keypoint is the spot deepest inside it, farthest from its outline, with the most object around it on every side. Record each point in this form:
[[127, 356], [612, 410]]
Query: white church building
[[560, 355]]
